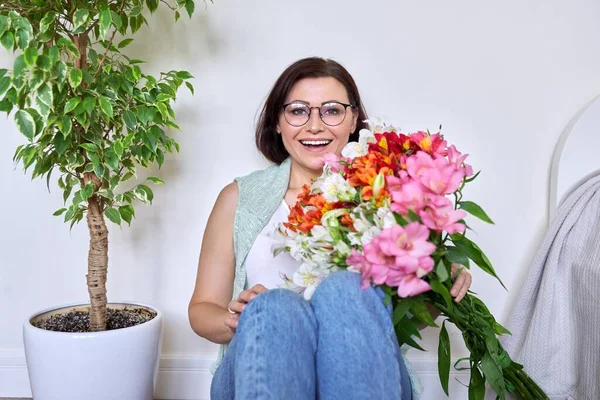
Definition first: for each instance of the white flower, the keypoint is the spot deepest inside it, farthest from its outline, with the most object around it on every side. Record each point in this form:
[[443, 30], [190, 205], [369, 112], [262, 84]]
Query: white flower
[[342, 248], [379, 125], [385, 218], [360, 148], [335, 188], [309, 276]]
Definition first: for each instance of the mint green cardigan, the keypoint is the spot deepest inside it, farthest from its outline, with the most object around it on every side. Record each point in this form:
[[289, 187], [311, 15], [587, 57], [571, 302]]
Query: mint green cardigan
[[260, 193]]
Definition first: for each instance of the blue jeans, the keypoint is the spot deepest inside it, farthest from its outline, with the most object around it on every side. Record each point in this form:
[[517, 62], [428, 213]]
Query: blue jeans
[[340, 345]]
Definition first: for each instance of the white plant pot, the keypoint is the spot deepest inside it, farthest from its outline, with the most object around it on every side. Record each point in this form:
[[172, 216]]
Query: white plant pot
[[120, 364]]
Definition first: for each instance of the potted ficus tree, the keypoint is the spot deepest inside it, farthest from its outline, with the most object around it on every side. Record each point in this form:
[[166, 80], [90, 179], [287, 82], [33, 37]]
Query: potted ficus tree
[[91, 118]]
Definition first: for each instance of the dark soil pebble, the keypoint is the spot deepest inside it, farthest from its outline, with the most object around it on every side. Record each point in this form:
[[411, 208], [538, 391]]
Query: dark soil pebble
[[79, 321]]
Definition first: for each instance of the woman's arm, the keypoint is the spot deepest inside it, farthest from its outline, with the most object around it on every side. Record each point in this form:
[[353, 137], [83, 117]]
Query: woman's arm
[[207, 309]]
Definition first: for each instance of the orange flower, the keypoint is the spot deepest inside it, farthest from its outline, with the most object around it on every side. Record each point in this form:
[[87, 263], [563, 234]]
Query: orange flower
[[346, 221]]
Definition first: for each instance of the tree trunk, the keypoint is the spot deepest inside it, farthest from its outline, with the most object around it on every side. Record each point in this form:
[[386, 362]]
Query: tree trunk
[[97, 265], [98, 252]]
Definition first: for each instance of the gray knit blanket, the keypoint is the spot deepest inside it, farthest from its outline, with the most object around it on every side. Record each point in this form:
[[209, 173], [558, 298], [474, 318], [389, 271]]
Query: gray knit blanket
[[555, 324]]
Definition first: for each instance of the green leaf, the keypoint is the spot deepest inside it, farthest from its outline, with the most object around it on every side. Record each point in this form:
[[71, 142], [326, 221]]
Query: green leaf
[[475, 210], [400, 310], [105, 106], [127, 213], [79, 18], [167, 89], [60, 144], [442, 271], [59, 212], [105, 20], [8, 40], [184, 75], [403, 333], [5, 83], [71, 104], [189, 7], [442, 290], [477, 385], [471, 179], [155, 180], [99, 170], [91, 147], [112, 160], [160, 157], [69, 46], [125, 43], [4, 24], [145, 114], [118, 148], [6, 106], [177, 16], [421, 312], [148, 191], [30, 56], [75, 77], [47, 21], [444, 358], [457, 256], [89, 103], [113, 215], [44, 63], [45, 96], [493, 375], [67, 125], [190, 87], [152, 5], [25, 123], [474, 253], [129, 120]]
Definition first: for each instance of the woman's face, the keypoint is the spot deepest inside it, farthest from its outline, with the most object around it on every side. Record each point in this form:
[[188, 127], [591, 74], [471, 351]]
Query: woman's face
[[310, 141]]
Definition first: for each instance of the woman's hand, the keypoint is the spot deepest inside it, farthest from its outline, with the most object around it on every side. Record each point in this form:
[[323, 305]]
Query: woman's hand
[[237, 306], [462, 282]]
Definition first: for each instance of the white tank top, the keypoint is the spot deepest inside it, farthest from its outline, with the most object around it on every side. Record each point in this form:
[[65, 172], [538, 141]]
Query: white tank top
[[261, 266]]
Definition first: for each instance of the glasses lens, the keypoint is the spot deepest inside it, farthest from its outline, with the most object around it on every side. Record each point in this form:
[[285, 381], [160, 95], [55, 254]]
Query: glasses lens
[[333, 113], [297, 114]]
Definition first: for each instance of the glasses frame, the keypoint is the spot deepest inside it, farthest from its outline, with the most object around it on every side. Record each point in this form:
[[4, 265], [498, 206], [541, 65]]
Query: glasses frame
[[320, 115]]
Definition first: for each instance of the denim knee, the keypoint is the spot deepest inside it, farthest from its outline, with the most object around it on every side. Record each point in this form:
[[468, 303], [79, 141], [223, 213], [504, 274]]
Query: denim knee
[[344, 287], [282, 307], [338, 285]]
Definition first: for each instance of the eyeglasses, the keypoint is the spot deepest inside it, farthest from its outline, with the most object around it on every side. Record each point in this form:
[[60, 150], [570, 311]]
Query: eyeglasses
[[332, 113]]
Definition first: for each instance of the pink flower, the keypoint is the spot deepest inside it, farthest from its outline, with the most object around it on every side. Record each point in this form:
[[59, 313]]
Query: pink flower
[[432, 144], [443, 219], [333, 160], [437, 175], [396, 182], [457, 159], [360, 263], [409, 245], [411, 196], [411, 285]]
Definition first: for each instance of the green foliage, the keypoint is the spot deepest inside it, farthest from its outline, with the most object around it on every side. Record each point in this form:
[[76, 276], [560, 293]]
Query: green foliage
[[88, 112]]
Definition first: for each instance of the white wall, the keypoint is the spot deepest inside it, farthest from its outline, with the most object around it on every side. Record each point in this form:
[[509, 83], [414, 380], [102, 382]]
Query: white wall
[[502, 77]]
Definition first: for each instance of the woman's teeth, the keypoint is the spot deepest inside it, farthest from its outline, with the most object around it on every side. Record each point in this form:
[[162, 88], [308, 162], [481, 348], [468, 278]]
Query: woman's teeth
[[315, 143]]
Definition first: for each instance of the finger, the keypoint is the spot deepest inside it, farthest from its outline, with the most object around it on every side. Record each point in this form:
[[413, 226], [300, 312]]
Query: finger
[[231, 323], [236, 306], [458, 283], [456, 269], [465, 288], [258, 289], [246, 296]]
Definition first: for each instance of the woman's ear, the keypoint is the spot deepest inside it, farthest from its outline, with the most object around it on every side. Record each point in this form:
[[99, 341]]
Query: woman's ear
[[354, 121]]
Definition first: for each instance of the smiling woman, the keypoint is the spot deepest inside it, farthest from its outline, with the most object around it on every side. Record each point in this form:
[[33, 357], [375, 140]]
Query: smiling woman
[[269, 334]]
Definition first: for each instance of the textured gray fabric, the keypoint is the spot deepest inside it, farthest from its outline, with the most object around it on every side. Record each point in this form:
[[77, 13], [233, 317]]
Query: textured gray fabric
[[555, 324]]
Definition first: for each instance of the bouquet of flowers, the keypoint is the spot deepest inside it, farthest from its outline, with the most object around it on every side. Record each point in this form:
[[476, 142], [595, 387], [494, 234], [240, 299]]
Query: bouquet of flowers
[[391, 208]]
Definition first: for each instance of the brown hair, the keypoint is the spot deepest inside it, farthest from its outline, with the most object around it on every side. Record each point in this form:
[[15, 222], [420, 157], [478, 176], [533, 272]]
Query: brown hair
[[268, 141]]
